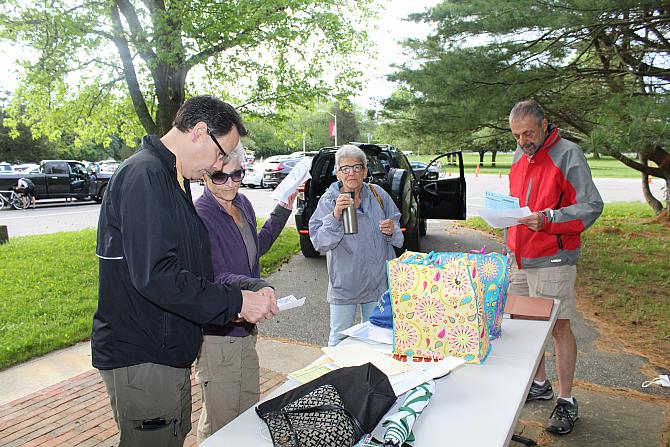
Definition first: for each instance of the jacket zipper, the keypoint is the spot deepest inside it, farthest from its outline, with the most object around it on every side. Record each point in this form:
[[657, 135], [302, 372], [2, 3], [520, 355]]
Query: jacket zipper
[[530, 185]]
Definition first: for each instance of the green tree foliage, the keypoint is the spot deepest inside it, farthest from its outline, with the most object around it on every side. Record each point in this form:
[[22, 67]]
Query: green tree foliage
[[286, 134], [347, 122], [601, 69], [18, 146], [124, 67]]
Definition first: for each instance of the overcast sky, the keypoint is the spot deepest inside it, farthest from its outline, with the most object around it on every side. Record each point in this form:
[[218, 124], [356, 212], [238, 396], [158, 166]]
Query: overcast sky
[[392, 28]]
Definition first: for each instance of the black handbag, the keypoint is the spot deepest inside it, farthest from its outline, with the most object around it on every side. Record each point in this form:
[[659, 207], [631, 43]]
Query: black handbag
[[334, 410]]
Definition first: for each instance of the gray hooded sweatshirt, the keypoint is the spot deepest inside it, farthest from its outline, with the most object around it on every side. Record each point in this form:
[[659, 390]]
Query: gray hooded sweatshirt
[[356, 262]]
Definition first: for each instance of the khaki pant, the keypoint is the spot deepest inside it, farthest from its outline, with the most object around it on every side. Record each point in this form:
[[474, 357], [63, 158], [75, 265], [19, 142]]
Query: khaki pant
[[151, 404], [227, 371], [549, 282]]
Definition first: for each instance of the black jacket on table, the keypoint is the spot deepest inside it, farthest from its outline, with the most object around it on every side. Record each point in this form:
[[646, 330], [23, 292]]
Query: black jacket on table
[[156, 285]]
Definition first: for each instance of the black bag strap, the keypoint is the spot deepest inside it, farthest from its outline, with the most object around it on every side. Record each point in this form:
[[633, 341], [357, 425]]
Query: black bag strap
[[358, 430]]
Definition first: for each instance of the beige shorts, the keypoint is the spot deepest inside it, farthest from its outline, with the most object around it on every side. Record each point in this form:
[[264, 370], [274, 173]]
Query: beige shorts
[[549, 282], [228, 374]]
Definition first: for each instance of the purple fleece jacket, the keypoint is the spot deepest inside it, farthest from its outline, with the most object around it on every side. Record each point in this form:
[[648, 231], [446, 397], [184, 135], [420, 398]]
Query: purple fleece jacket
[[230, 260]]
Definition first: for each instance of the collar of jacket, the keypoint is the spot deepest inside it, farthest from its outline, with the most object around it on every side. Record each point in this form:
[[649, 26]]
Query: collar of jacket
[[153, 144], [553, 137], [156, 146], [334, 190], [211, 202]]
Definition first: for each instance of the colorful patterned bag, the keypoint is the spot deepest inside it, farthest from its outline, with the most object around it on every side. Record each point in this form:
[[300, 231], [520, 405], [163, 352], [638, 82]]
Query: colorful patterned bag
[[494, 271], [438, 310]]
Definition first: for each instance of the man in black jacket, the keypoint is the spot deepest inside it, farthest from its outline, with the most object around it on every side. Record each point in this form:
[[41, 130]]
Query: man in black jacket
[[156, 285]]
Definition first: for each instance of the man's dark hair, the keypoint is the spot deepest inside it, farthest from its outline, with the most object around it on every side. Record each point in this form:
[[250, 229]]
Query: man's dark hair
[[219, 116], [524, 108]]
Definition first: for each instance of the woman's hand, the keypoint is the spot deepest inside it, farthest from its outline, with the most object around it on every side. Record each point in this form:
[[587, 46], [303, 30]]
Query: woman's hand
[[386, 227], [343, 201]]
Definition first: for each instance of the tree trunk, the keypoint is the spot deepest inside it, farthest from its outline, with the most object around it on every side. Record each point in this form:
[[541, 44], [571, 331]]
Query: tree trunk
[[653, 202], [170, 94], [493, 158], [481, 158]]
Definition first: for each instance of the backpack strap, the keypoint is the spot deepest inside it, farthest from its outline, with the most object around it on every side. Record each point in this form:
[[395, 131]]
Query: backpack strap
[[376, 194]]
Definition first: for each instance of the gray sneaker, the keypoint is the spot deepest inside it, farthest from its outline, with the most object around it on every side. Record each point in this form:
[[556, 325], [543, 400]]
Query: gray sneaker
[[563, 417], [540, 392]]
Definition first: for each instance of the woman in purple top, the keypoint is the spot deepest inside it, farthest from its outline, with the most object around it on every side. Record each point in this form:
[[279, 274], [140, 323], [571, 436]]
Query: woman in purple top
[[227, 366]]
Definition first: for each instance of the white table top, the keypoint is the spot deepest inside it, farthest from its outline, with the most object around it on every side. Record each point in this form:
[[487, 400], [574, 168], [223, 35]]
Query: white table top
[[476, 405]]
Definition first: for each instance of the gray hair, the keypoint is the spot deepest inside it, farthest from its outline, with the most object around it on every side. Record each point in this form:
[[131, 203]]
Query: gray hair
[[525, 108], [236, 155], [350, 151]]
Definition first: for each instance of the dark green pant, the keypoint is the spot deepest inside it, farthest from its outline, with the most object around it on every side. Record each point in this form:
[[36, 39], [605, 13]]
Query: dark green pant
[[151, 404]]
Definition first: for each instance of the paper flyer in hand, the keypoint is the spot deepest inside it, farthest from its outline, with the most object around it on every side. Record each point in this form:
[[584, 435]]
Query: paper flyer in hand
[[501, 210], [503, 218], [289, 302], [298, 175]]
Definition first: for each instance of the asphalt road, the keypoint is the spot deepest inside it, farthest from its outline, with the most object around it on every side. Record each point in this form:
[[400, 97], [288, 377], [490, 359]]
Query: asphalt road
[[52, 216]]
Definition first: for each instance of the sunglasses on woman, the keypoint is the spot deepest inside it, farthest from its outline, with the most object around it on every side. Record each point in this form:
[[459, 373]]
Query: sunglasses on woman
[[220, 178]]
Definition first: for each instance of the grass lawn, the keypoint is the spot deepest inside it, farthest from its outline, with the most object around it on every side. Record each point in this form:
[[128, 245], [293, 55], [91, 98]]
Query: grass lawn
[[602, 167], [49, 289], [623, 278]]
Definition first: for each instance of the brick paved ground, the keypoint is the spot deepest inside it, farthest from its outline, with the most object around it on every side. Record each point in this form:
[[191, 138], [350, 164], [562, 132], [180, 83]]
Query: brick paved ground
[[76, 412]]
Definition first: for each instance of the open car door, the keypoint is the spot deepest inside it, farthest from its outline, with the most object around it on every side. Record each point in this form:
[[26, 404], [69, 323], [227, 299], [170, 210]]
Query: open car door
[[442, 188]]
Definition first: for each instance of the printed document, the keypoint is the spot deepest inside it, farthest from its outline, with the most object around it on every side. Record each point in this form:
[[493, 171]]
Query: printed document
[[368, 332], [360, 354], [497, 201], [298, 175]]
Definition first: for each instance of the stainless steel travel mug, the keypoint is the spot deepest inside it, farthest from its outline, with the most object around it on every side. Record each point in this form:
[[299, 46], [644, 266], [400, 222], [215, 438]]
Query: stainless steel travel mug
[[349, 218]]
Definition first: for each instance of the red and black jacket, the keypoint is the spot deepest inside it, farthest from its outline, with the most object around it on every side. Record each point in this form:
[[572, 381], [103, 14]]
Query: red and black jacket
[[556, 180]]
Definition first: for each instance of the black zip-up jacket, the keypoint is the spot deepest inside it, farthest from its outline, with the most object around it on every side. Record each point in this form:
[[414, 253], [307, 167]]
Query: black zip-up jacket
[[156, 285]]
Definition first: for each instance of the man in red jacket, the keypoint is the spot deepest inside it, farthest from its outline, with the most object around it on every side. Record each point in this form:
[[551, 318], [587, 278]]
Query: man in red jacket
[[550, 175]]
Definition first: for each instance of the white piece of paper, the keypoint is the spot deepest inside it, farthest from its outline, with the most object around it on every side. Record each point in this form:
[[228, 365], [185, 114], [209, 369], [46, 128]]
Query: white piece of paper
[[505, 217], [367, 331], [289, 302], [359, 354], [404, 382], [296, 177]]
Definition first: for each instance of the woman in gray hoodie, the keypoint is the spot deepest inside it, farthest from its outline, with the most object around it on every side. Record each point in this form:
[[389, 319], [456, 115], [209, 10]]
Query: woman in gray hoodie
[[356, 262]]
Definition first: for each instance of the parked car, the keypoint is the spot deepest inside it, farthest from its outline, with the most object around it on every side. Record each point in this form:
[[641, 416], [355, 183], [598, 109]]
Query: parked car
[[253, 176], [276, 169], [304, 154], [419, 167], [417, 198], [26, 168], [60, 179], [108, 166]]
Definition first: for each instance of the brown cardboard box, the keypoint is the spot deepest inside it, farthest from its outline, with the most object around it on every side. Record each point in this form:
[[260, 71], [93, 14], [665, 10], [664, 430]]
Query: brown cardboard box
[[528, 308]]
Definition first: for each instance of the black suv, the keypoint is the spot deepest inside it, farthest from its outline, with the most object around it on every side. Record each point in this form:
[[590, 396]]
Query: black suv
[[418, 199]]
